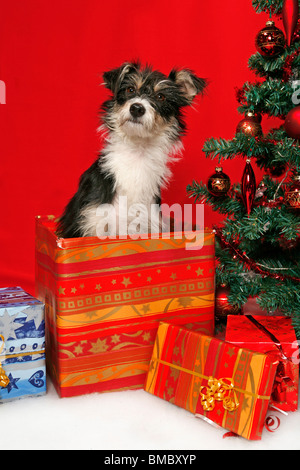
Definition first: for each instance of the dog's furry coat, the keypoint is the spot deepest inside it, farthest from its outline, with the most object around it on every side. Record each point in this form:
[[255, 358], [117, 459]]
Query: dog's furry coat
[[143, 121]]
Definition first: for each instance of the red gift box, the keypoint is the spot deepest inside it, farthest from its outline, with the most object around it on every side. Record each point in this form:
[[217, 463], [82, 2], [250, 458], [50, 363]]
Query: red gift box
[[215, 380], [105, 299], [273, 335]]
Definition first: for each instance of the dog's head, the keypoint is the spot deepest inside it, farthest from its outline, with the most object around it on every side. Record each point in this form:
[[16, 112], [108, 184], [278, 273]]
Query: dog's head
[[146, 103]]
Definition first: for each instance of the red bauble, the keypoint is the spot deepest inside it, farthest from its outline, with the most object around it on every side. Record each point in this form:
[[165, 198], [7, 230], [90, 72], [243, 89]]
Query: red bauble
[[222, 305], [290, 14], [250, 125], [218, 184], [270, 41], [248, 187], [292, 123]]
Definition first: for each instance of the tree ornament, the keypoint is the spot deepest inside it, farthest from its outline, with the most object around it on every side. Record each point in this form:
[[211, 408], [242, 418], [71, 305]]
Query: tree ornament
[[262, 187], [248, 186], [292, 194], [290, 15], [218, 184], [270, 41], [292, 123], [250, 126], [222, 305]]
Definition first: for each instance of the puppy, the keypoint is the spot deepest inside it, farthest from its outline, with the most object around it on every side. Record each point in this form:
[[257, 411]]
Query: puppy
[[144, 124]]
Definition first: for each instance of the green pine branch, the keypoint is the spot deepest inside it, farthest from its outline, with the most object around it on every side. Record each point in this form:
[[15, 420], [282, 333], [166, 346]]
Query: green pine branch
[[288, 151], [241, 144], [227, 204], [272, 97], [272, 7], [271, 293]]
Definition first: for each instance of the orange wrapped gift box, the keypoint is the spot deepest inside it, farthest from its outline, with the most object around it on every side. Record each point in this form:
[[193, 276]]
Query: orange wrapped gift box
[[104, 301], [221, 382]]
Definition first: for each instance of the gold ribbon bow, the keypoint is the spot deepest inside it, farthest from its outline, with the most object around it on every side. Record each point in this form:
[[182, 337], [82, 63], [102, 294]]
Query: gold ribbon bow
[[215, 390], [218, 390], [4, 380]]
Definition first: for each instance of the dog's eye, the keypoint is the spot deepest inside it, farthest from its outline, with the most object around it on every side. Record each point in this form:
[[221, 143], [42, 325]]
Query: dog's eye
[[130, 90], [160, 97]]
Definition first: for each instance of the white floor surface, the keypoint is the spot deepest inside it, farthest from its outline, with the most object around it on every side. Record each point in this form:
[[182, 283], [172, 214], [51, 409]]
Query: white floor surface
[[130, 420]]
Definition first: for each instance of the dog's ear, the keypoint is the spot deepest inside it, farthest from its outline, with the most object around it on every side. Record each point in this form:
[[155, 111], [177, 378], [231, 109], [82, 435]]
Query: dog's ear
[[112, 78], [190, 85]]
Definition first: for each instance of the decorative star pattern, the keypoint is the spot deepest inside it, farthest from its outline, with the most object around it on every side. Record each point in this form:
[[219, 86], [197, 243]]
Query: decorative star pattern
[[136, 279], [30, 319], [12, 383], [109, 343]]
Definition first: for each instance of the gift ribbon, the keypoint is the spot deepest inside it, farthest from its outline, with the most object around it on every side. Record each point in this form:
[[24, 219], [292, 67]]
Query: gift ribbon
[[283, 376], [269, 334], [216, 389], [4, 380]]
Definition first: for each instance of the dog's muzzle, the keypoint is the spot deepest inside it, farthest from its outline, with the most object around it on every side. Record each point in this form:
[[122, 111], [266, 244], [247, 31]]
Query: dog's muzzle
[[137, 110]]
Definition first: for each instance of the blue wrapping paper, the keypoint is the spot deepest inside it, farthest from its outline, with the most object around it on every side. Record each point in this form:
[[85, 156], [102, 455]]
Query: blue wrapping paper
[[22, 344]]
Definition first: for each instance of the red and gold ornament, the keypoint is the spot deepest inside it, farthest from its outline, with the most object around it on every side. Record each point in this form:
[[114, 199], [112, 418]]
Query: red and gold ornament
[[270, 41], [292, 123], [290, 15], [250, 125], [292, 194], [248, 186], [218, 184]]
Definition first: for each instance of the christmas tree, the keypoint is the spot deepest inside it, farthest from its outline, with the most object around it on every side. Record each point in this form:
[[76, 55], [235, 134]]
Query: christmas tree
[[258, 243]]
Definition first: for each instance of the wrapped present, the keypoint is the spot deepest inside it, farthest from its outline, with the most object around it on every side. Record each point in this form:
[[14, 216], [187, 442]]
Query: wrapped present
[[104, 300], [213, 379], [22, 345], [274, 335]]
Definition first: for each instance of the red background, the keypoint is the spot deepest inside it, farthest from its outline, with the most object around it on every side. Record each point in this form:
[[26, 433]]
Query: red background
[[52, 55]]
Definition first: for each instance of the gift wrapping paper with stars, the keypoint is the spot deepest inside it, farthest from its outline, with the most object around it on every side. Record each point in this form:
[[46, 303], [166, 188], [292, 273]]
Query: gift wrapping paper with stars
[[104, 301], [22, 345], [216, 380]]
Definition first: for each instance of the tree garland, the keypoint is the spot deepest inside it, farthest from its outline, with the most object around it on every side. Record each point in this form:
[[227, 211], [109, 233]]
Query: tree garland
[[251, 264]]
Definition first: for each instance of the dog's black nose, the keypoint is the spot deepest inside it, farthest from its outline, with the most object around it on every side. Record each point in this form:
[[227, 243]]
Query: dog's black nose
[[137, 110]]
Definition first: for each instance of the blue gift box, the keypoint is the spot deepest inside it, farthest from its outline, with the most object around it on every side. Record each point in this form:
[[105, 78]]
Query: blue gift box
[[22, 345]]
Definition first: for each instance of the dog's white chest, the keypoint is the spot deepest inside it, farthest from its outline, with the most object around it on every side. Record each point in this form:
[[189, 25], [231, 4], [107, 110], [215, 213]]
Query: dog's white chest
[[138, 172]]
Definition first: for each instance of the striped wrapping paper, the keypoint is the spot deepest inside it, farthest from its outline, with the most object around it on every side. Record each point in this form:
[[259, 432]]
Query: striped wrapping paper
[[225, 384], [104, 302]]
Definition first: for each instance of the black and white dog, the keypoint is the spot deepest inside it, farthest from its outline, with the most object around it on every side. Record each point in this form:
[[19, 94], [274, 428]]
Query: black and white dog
[[144, 125]]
